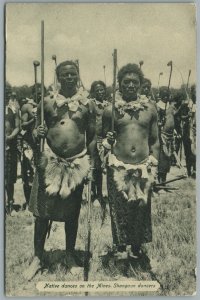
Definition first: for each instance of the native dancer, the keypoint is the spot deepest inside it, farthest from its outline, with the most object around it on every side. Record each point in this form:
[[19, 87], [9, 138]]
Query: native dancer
[[64, 164], [129, 166]]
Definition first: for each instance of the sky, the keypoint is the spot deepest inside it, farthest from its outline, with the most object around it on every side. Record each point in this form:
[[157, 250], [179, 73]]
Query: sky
[[154, 33]]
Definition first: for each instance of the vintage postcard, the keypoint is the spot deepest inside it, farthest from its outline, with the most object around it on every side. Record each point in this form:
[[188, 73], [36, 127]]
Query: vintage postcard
[[100, 149]]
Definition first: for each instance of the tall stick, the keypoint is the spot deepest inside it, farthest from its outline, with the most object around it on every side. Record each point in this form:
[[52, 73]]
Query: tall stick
[[189, 73], [42, 83], [114, 90], [88, 241], [36, 64], [170, 76], [160, 74], [114, 87], [141, 63], [55, 75], [104, 71]]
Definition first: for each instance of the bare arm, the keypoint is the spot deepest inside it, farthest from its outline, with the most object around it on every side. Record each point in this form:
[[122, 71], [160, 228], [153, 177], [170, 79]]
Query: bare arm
[[17, 128], [106, 121], [91, 132], [25, 117], [153, 135]]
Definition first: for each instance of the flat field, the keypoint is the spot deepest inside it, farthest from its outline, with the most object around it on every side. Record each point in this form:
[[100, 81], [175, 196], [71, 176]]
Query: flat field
[[172, 253]]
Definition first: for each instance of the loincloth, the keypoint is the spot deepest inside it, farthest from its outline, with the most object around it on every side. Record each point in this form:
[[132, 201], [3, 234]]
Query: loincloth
[[167, 143], [133, 180], [63, 175], [10, 171], [129, 197], [27, 163]]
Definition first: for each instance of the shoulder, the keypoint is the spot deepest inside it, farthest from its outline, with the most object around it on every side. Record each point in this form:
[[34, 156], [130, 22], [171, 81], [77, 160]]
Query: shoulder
[[26, 107], [48, 101]]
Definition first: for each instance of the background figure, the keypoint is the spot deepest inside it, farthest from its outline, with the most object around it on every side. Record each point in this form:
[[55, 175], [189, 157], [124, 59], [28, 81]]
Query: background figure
[[166, 112], [28, 146], [98, 96], [12, 125], [188, 118], [178, 100], [146, 90]]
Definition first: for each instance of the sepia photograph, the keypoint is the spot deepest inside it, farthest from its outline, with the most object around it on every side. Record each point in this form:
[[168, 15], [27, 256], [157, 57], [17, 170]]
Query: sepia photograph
[[100, 149]]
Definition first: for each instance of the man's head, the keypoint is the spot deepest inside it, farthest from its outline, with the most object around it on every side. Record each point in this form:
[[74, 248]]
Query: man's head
[[164, 93], [98, 90], [67, 74], [130, 78], [178, 98], [39, 92], [193, 93], [146, 87], [13, 96]]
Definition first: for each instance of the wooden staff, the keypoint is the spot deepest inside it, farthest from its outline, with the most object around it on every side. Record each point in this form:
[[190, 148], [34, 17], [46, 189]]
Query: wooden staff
[[104, 72], [36, 64], [114, 91], [42, 83], [55, 76], [170, 76], [189, 73], [160, 74], [88, 241], [141, 64]]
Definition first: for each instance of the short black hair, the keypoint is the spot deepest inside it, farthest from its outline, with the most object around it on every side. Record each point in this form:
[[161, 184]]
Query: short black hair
[[179, 96], [38, 86], [146, 80], [66, 63], [162, 88], [94, 84], [130, 68]]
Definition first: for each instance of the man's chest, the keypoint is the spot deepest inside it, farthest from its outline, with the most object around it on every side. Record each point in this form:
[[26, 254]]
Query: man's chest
[[56, 113], [139, 117]]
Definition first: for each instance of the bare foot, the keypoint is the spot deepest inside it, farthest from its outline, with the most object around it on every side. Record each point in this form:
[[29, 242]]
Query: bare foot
[[33, 269]]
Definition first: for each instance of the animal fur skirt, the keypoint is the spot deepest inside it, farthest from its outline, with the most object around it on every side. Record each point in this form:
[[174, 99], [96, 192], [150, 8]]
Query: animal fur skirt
[[58, 185], [129, 196]]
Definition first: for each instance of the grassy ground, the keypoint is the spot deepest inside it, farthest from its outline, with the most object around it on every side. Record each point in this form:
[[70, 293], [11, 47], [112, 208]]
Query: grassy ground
[[172, 252]]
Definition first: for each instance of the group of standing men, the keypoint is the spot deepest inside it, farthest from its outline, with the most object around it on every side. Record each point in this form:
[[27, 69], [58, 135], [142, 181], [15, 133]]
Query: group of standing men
[[80, 144]]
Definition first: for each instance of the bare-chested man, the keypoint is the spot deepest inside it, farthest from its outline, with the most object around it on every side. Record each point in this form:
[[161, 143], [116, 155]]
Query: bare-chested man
[[12, 126], [64, 164], [28, 118], [98, 95], [166, 122], [129, 175]]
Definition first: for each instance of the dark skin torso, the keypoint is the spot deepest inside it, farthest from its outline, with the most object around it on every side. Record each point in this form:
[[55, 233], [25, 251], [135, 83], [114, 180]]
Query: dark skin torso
[[67, 129], [134, 133], [169, 124]]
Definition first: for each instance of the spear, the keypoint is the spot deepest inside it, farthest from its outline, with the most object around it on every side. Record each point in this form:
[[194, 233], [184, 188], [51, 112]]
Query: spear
[[55, 76], [80, 81], [160, 74], [169, 64], [114, 90], [104, 71], [36, 64], [141, 64], [88, 241], [189, 73], [42, 83]]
